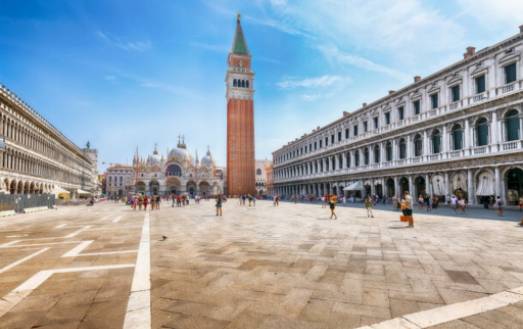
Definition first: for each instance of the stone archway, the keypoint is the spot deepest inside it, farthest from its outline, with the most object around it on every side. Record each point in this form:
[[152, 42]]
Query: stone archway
[[391, 189], [420, 186], [172, 185], [204, 188], [154, 187], [140, 187], [12, 187], [404, 185], [514, 185], [20, 187], [191, 188], [32, 188]]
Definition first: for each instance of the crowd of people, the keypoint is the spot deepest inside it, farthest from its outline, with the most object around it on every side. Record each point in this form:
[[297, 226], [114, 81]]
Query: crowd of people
[[140, 201]]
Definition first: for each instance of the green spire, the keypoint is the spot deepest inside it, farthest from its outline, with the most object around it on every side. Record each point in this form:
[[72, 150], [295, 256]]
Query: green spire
[[239, 46]]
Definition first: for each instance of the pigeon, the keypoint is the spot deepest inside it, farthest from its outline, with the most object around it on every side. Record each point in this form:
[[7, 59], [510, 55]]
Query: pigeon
[[163, 238]]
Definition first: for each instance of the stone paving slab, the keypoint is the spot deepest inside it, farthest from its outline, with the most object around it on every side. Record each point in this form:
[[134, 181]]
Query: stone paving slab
[[263, 267]]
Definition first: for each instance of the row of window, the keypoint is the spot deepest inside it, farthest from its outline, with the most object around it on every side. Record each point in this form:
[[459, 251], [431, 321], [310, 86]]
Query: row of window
[[29, 139], [22, 163], [512, 132], [238, 83], [455, 96]]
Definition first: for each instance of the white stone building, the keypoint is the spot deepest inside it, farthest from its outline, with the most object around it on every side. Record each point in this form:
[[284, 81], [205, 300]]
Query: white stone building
[[456, 131], [35, 156], [261, 173]]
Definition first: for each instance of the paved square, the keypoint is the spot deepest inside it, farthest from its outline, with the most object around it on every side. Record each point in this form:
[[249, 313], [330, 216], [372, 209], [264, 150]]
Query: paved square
[[262, 267]]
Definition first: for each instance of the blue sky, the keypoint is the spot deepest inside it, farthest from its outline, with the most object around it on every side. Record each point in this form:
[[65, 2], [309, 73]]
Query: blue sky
[[122, 73]]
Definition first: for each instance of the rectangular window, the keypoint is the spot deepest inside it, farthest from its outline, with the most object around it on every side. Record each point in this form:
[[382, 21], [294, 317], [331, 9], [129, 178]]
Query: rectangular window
[[355, 130], [376, 123], [321, 144], [401, 113], [454, 90], [387, 118], [339, 136], [316, 146], [326, 141], [332, 139], [365, 126], [480, 84], [347, 133], [434, 100], [417, 106], [510, 73]]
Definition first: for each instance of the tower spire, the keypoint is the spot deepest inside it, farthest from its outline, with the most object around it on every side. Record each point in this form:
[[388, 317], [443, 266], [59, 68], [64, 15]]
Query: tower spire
[[239, 46]]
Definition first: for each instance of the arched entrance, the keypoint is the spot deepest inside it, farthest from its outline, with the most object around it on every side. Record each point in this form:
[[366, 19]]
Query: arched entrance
[[191, 188], [140, 187], [391, 189], [379, 190], [420, 187], [172, 185], [154, 187], [20, 187], [12, 187], [459, 186], [204, 188], [404, 185], [514, 179], [367, 189]]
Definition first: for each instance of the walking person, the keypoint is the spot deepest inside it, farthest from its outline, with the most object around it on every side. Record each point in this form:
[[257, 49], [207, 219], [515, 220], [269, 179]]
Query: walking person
[[368, 205], [406, 208], [332, 206], [499, 206], [219, 205], [145, 202]]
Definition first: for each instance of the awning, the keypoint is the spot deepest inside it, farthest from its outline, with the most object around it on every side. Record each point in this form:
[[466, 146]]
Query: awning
[[58, 190], [485, 184], [82, 192], [356, 186]]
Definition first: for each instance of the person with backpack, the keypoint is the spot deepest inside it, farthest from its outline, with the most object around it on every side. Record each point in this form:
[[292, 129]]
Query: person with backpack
[[219, 205]]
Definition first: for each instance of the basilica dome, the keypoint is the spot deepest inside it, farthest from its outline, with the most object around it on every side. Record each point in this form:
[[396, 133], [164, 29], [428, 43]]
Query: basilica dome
[[179, 155], [207, 160]]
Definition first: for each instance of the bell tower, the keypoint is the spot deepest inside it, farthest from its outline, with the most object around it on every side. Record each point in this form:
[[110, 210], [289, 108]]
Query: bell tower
[[240, 117]]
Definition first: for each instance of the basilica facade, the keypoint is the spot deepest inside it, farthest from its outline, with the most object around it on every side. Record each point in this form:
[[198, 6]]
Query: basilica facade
[[175, 172], [456, 131]]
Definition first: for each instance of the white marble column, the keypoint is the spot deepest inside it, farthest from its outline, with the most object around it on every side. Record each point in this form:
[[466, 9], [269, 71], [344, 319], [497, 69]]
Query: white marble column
[[498, 188], [397, 191], [471, 190], [411, 186]]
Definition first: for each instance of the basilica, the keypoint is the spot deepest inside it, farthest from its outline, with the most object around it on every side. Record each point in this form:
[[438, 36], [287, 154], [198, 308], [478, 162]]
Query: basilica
[[177, 172]]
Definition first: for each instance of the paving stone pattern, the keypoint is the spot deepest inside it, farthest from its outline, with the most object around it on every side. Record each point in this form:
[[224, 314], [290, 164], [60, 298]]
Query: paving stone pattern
[[262, 267]]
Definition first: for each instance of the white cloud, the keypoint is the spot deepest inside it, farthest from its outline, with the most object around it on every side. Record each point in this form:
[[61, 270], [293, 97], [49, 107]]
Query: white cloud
[[508, 12], [137, 46], [334, 54], [316, 82]]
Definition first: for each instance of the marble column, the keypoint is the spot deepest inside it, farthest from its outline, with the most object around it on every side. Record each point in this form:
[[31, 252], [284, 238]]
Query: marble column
[[471, 192]]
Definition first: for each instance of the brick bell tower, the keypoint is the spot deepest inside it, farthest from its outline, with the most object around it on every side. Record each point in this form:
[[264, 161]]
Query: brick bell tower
[[240, 118]]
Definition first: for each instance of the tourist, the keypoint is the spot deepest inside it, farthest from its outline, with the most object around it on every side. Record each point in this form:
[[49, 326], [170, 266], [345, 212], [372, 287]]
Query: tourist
[[254, 201], [276, 200], [368, 205], [219, 205], [406, 208], [145, 202], [249, 197], [332, 206], [499, 206], [520, 203], [462, 205], [153, 202], [454, 203], [140, 202]]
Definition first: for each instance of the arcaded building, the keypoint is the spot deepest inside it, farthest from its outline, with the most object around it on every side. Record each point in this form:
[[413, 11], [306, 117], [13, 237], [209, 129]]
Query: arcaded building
[[456, 131], [240, 118], [36, 157]]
